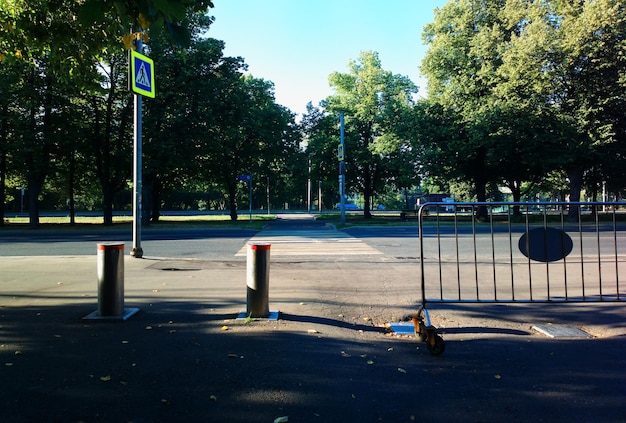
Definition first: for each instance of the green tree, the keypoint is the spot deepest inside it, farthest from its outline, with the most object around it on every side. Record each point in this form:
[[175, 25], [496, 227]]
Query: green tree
[[31, 28], [591, 85], [319, 129], [246, 133], [10, 116], [538, 86], [482, 144], [178, 121], [370, 97]]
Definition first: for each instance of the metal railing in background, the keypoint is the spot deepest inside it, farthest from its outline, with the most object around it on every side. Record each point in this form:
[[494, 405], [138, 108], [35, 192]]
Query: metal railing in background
[[522, 252]]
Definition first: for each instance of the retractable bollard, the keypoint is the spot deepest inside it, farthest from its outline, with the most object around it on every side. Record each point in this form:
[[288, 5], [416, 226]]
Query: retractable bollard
[[110, 279], [258, 280], [111, 284]]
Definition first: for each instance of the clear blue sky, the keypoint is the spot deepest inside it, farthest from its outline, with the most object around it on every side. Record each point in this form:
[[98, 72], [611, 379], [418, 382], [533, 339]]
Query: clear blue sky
[[296, 44]]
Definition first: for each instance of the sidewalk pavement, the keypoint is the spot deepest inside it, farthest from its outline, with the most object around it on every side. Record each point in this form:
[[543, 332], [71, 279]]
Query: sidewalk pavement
[[185, 356]]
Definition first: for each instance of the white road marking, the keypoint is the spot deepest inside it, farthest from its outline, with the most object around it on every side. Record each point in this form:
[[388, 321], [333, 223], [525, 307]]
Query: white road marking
[[310, 243]]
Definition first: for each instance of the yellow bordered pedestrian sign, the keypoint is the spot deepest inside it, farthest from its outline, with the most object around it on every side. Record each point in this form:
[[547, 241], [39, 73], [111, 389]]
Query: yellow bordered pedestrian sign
[[340, 156], [141, 74]]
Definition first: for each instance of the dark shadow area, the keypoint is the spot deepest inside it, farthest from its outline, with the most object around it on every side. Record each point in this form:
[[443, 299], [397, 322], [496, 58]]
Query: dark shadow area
[[482, 330], [329, 322], [605, 314], [188, 361]]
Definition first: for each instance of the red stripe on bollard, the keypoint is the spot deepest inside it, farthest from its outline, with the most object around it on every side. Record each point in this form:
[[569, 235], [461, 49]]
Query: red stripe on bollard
[[102, 247], [261, 247]]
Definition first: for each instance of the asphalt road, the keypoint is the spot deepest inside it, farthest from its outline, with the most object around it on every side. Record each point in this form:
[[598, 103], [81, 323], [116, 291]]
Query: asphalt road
[[186, 358], [209, 244]]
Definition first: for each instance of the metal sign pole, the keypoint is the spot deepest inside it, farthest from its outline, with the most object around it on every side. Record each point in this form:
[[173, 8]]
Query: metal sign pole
[[136, 250], [342, 171]]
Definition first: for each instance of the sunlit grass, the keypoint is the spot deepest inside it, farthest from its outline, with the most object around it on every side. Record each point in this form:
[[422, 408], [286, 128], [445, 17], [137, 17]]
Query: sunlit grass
[[121, 222]]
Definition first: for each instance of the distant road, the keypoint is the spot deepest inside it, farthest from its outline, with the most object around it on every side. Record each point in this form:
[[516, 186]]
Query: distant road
[[209, 243]]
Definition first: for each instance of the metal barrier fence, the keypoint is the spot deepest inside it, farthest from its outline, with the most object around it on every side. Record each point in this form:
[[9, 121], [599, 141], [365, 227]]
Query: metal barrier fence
[[522, 252]]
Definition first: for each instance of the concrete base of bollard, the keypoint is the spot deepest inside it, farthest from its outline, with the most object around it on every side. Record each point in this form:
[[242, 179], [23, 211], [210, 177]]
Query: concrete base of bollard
[[274, 314], [128, 312]]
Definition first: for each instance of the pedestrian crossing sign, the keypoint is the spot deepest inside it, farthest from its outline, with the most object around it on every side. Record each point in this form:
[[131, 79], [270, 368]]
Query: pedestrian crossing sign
[[141, 74]]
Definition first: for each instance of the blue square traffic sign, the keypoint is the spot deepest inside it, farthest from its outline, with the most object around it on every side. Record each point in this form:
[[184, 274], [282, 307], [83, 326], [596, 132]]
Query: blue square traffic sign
[[141, 74]]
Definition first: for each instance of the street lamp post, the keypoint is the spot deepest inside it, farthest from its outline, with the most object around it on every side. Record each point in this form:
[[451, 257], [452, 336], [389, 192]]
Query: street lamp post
[[308, 189], [342, 169], [136, 251]]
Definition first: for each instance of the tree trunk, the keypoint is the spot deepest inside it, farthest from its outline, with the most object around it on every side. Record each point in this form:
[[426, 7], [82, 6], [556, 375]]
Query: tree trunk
[[3, 172], [481, 196], [232, 200], [34, 188], [3, 161], [156, 199], [107, 202], [72, 172], [367, 192], [575, 186], [480, 182], [516, 190]]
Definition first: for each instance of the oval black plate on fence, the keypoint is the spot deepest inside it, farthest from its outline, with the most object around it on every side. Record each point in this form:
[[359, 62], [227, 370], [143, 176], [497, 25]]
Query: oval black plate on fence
[[545, 244]]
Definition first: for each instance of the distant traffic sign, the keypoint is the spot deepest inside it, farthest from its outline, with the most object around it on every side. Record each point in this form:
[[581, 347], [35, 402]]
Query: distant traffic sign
[[141, 74]]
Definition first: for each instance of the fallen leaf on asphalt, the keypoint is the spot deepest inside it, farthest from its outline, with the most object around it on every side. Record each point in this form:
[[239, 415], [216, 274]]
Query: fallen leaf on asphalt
[[105, 378], [283, 419]]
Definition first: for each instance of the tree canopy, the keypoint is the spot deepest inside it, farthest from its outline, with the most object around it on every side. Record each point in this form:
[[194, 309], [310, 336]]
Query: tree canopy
[[531, 87], [374, 102]]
